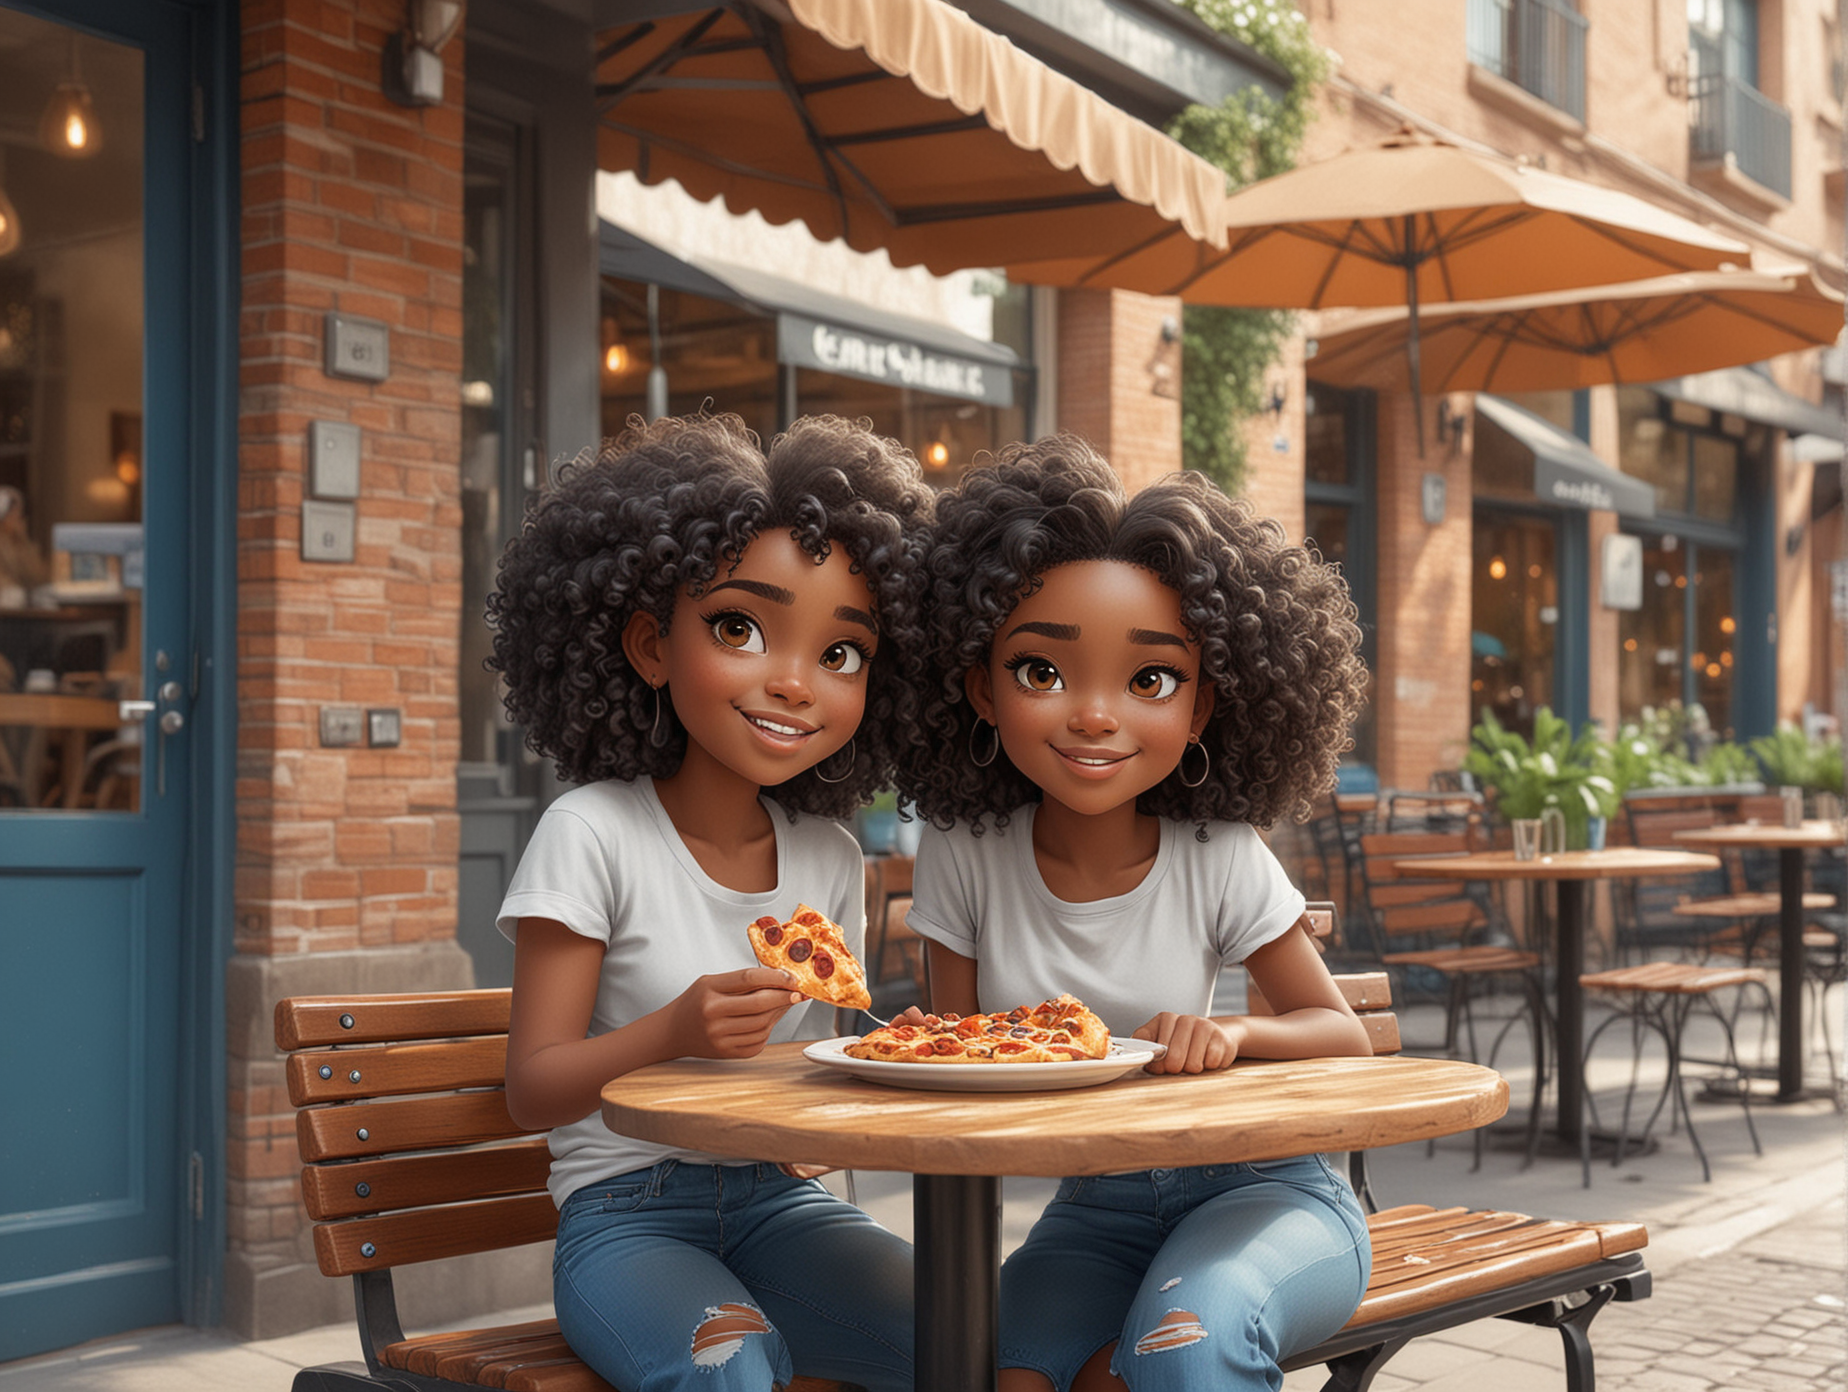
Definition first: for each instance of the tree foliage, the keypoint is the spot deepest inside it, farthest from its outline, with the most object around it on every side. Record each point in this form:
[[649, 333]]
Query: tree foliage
[[1251, 136]]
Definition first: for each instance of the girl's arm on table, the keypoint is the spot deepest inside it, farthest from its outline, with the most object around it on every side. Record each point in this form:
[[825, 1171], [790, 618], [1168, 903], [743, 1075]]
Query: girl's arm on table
[[952, 981], [1312, 1020], [555, 1074]]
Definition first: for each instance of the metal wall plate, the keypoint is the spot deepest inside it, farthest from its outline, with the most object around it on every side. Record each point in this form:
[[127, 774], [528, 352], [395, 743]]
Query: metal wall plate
[[359, 348]]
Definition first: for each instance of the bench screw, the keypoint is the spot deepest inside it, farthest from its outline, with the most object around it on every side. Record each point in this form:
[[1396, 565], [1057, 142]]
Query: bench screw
[[346, 1022], [366, 1249], [353, 1077], [363, 1190], [326, 1072], [364, 1134]]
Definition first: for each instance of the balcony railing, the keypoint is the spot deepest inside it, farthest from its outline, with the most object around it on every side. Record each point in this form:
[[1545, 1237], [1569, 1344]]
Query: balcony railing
[[1729, 117], [1539, 45]]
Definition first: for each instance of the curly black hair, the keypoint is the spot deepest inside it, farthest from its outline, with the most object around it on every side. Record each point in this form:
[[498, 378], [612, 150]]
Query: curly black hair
[[658, 511], [1278, 633]]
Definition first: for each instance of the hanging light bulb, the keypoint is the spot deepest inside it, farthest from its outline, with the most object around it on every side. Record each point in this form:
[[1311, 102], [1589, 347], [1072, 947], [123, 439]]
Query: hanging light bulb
[[68, 125]]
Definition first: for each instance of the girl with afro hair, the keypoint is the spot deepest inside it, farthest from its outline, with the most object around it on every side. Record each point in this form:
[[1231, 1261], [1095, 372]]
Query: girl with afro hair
[[1121, 692], [706, 642]]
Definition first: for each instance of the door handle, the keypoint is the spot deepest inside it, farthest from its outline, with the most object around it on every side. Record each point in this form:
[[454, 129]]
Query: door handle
[[128, 711]]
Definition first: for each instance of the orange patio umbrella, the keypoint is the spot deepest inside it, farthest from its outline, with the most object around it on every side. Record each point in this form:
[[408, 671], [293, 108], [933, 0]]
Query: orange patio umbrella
[[1643, 331], [895, 124], [1411, 221]]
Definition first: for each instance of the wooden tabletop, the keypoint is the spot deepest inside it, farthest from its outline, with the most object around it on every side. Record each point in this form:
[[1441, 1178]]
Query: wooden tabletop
[[1811, 835], [57, 709], [1616, 863], [781, 1107]]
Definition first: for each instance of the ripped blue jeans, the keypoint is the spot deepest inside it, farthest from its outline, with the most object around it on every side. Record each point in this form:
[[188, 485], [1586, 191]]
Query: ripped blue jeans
[[730, 1278], [1203, 1277]]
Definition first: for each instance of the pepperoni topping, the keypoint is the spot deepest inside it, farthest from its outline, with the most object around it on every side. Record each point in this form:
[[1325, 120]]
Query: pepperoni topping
[[1012, 1048], [925, 1050], [1020, 1032], [773, 931], [800, 949], [824, 965]]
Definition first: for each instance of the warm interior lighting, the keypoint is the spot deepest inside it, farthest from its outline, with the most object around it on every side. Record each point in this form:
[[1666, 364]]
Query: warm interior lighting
[[1629, 645], [1727, 625], [615, 360], [1713, 669], [1498, 569], [128, 470], [9, 225], [68, 125], [938, 455]]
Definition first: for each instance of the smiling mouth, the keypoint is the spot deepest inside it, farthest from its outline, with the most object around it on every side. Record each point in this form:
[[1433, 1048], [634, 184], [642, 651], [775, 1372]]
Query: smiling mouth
[[779, 728], [1090, 758]]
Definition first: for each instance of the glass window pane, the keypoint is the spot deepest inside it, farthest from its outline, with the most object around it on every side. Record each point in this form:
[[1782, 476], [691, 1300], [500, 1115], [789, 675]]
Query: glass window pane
[[1652, 449], [946, 434], [1500, 465], [1715, 636], [1716, 477], [1327, 444], [1554, 407], [71, 326], [1650, 640], [716, 355], [1514, 618]]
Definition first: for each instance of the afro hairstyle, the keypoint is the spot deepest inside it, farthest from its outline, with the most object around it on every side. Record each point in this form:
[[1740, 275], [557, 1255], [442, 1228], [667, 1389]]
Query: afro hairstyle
[[660, 511], [1279, 636]]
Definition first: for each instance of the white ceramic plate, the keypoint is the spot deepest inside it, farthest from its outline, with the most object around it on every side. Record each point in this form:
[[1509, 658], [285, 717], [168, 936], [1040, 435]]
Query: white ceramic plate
[[1125, 1056]]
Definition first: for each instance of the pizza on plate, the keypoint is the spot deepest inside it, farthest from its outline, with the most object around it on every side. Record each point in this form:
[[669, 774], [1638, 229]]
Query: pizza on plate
[[1055, 1031], [811, 948]]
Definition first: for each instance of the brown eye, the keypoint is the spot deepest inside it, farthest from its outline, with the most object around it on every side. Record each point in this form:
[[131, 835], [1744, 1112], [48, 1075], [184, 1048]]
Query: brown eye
[[844, 658], [1037, 674], [1154, 683], [737, 631]]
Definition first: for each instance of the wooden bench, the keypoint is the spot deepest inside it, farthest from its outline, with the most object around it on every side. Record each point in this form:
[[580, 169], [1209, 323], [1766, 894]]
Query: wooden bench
[[410, 1156], [1441, 1268]]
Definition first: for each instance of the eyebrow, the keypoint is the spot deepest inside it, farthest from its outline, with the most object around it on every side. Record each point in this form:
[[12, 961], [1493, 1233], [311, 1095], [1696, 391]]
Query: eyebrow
[[1155, 637], [776, 594], [1065, 633], [848, 614]]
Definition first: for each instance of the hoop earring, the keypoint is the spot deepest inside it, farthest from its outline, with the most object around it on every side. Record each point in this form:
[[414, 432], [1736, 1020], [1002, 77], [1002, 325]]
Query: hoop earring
[[852, 754], [993, 749], [1206, 767], [656, 735]]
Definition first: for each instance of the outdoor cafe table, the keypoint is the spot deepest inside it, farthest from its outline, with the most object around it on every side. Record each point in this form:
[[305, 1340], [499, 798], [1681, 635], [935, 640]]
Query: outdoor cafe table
[[1790, 843], [1571, 871], [781, 1107]]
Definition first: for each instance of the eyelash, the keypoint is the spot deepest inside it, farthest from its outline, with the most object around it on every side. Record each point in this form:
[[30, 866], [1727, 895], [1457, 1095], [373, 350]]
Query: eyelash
[[1180, 678], [711, 619]]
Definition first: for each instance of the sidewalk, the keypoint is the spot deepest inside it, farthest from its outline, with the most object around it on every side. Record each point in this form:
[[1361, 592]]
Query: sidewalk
[[1749, 1269]]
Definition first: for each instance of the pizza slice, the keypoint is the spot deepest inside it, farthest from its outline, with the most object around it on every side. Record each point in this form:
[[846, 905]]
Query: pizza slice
[[1056, 1031], [811, 948]]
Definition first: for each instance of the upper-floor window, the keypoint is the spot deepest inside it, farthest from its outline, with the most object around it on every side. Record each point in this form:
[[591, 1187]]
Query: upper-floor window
[[1732, 124], [1539, 45]]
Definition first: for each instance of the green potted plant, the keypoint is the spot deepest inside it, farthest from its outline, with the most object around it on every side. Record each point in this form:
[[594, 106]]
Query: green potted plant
[[1556, 769]]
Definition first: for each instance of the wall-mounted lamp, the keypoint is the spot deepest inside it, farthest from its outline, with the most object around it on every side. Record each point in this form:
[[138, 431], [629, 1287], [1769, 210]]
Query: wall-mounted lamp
[[1170, 329], [68, 125], [413, 66], [9, 215], [615, 353], [1275, 399], [1793, 539], [1450, 424]]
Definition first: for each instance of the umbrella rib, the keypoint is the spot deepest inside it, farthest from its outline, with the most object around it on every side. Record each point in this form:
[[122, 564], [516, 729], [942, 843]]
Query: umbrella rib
[[1616, 235], [949, 212], [623, 42], [1118, 257], [611, 94], [922, 128], [681, 147], [771, 39]]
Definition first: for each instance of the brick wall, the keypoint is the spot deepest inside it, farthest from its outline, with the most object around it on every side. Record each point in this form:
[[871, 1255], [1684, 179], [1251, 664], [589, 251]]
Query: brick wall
[[346, 857], [1115, 374]]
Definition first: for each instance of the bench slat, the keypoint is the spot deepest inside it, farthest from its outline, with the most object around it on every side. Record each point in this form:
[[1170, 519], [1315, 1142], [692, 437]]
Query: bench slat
[[416, 1181], [428, 1234], [452, 1119], [394, 1069], [308, 1021]]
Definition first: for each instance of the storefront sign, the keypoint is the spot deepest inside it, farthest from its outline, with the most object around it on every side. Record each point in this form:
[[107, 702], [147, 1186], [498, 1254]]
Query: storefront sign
[[896, 362], [1620, 572]]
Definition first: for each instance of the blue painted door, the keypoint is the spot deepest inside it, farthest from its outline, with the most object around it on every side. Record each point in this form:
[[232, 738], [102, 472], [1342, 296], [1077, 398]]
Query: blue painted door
[[97, 324]]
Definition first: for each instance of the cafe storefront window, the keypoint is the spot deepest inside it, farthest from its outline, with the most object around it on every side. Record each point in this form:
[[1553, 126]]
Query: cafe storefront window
[[1680, 648], [1514, 618], [1338, 517]]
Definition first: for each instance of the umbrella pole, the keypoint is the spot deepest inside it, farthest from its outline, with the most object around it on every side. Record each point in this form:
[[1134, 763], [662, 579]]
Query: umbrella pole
[[1411, 341]]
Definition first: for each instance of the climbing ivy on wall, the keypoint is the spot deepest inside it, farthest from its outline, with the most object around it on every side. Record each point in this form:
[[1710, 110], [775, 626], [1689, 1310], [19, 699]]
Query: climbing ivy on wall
[[1251, 136]]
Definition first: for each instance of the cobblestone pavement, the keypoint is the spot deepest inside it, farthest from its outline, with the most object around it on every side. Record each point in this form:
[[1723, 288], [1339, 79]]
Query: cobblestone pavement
[[1766, 1315]]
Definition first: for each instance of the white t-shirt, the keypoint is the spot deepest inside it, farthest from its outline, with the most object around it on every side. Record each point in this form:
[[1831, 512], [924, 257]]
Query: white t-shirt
[[606, 862], [1203, 905]]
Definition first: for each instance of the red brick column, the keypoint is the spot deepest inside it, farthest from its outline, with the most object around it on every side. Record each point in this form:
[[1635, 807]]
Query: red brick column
[[1119, 383], [346, 857]]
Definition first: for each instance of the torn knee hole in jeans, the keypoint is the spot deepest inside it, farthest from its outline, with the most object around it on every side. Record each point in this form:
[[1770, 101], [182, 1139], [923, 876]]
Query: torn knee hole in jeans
[[722, 1333], [1176, 1329]]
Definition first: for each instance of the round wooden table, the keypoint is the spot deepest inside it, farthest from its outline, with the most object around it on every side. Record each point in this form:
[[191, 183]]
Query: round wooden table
[[1572, 871], [1790, 843], [781, 1107]]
